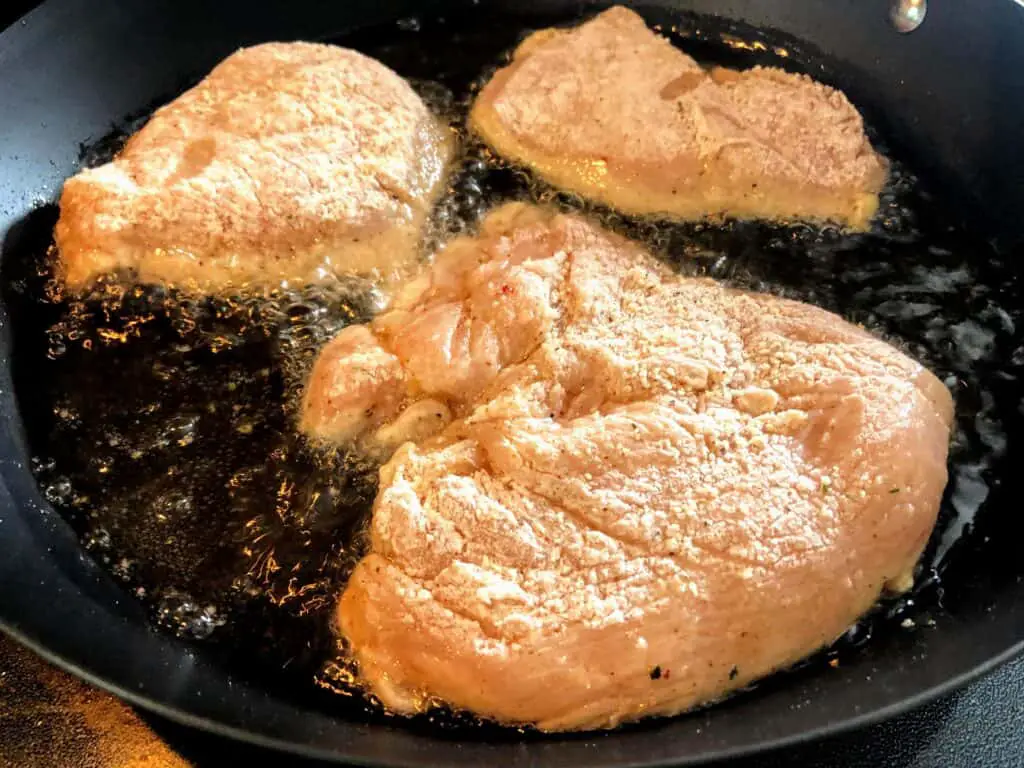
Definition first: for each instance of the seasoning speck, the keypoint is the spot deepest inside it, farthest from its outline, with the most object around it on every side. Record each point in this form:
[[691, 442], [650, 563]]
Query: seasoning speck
[[656, 673], [894, 490], [733, 672]]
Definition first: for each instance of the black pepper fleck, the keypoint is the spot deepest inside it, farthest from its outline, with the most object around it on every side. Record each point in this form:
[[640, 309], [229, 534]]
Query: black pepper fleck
[[656, 673], [733, 672]]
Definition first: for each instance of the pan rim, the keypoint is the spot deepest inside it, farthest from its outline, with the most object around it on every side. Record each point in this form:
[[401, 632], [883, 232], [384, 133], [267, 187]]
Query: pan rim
[[238, 734]]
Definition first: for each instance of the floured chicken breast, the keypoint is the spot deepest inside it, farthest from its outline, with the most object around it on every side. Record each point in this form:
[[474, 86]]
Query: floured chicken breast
[[616, 113], [290, 161], [627, 493]]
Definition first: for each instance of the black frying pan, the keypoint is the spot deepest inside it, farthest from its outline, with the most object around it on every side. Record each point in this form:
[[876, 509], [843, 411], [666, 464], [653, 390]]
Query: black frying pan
[[948, 98]]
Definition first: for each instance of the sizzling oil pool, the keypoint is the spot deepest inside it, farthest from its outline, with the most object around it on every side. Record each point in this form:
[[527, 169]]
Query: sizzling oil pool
[[162, 426]]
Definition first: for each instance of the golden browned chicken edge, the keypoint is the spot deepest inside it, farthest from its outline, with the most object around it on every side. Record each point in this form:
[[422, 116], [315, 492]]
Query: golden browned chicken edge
[[587, 178], [631, 192], [387, 257], [207, 198]]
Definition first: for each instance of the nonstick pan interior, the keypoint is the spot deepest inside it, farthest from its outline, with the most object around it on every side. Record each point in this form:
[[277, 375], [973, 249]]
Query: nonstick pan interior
[[57, 600]]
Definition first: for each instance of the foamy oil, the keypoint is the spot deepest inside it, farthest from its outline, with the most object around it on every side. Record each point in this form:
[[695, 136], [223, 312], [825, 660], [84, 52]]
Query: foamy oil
[[163, 425]]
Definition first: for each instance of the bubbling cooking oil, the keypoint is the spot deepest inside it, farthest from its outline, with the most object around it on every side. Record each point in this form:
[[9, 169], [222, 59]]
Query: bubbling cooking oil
[[163, 426]]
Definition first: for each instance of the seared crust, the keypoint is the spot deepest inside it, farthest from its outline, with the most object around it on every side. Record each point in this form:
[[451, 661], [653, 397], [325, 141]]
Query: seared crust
[[289, 161], [616, 113]]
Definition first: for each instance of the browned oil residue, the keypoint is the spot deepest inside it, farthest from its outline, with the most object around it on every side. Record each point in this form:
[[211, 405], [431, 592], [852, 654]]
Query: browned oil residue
[[49, 719]]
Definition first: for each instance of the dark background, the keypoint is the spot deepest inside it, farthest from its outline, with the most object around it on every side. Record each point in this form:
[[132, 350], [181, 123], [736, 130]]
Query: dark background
[[982, 725]]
